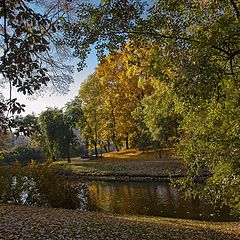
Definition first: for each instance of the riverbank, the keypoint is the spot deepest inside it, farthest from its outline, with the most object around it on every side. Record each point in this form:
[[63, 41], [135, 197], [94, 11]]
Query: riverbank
[[121, 178], [129, 165], [24, 222]]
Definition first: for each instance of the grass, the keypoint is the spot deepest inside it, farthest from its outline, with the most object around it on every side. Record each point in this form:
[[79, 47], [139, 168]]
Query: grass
[[23, 222], [125, 163]]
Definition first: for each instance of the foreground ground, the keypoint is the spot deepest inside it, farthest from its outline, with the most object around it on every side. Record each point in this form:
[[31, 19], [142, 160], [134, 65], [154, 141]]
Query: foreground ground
[[22, 222], [132, 163]]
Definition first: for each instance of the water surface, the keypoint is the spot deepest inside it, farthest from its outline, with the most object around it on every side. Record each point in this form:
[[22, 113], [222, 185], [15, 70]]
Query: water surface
[[150, 198]]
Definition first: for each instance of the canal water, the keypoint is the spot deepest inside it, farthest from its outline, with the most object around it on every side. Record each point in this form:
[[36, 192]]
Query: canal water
[[149, 198]]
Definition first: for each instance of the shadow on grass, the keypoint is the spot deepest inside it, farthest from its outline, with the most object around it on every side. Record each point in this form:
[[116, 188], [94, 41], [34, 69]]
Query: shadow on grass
[[181, 229]]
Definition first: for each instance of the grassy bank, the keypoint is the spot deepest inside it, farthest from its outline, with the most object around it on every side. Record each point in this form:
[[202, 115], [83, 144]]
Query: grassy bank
[[22, 222], [132, 163]]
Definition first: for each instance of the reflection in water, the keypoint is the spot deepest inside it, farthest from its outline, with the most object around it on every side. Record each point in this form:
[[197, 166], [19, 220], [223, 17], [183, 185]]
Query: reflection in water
[[156, 199]]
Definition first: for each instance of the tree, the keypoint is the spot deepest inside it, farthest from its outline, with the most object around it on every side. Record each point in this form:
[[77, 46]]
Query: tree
[[57, 134], [204, 57], [122, 94], [90, 95], [29, 126], [107, 25], [4, 140], [29, 41], [160, 115], [74, 113], [74, 117]]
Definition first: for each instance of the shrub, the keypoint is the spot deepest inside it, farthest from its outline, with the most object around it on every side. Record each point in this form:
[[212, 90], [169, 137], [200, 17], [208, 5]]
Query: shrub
[[36, 185]]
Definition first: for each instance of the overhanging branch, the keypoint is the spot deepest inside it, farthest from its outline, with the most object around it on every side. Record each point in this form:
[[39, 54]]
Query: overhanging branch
[[235, 8]]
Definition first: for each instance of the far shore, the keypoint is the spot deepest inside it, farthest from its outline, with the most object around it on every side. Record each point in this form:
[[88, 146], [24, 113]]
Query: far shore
[[127, 165], [123, 178]]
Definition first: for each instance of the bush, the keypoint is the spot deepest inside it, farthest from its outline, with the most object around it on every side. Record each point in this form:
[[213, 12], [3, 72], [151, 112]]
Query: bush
[[36, 185]]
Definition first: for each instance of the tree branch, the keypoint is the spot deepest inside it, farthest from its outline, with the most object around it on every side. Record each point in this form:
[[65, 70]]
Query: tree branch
[[235, 8], [5, 24]]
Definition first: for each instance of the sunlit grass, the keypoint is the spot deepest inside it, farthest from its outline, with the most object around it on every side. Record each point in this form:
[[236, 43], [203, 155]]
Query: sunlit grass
[[129, 162]]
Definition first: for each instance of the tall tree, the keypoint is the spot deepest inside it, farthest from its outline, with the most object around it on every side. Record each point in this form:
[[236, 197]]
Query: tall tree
[[160, 115], [121, 95], [90, 95], [57, 134]]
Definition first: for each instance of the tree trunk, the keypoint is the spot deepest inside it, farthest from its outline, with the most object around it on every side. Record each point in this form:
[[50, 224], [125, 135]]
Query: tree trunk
[[68, 157], [86, 148], [105, 148], [117, 148], [95, 148], [127, 141], [108, 146]]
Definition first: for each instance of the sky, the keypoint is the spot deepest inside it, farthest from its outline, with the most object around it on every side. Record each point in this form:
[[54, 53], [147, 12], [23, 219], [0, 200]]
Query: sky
[[41, 103]]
